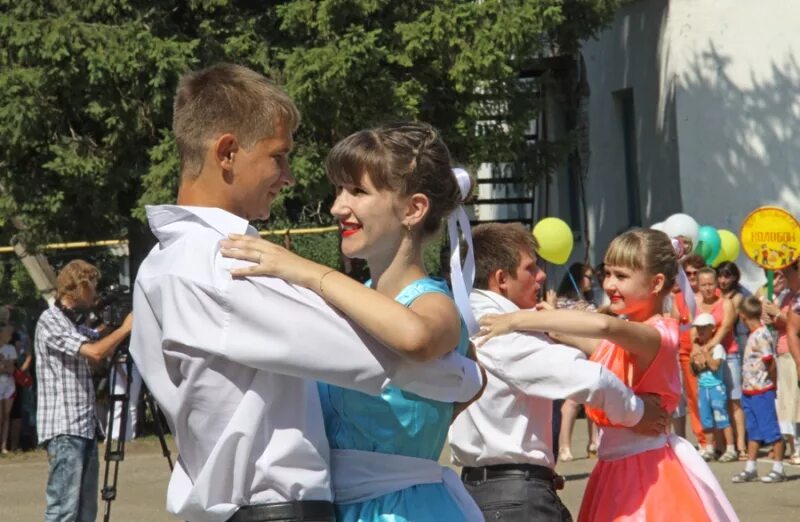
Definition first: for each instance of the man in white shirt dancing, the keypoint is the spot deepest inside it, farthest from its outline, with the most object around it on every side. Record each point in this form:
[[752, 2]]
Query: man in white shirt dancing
[[504, 439], [233, 362]]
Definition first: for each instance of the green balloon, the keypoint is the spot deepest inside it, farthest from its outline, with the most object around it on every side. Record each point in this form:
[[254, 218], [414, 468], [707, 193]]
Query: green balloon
[[704, 250]]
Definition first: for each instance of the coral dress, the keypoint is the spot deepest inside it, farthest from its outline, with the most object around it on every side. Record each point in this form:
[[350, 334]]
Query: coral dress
[[640, 478]]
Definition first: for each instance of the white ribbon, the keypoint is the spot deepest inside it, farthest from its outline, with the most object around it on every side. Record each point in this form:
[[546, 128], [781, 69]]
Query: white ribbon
[[683, 283], [359, 476], [462, 278]]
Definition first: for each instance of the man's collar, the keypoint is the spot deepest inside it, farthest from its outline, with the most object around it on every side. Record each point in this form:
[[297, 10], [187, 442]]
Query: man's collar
[[479, 297], [168, 222]]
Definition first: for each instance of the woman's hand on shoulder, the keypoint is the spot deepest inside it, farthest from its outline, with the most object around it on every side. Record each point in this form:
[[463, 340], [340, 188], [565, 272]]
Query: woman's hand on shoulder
[[493, 325], [270, 260]]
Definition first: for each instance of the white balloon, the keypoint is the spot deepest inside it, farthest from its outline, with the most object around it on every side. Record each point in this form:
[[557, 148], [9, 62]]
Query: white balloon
[[658, 226], [682, 225]]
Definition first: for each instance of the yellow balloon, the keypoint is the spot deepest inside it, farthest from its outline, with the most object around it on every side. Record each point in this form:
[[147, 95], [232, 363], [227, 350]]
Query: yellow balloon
[[555, 240], [729, 247]]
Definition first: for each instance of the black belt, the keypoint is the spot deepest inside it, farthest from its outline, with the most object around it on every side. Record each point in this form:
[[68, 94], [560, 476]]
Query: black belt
[[526, 471], [299, 511]]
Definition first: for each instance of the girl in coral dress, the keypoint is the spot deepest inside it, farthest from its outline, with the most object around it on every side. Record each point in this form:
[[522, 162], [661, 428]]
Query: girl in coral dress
[[637, 477]]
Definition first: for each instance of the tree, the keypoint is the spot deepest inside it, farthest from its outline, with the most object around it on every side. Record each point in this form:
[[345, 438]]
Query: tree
[[87, 88]]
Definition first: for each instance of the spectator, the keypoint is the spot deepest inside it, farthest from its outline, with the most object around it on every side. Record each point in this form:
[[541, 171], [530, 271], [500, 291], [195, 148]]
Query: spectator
[[21, 417], [724, 314], [681, 311], [728, 276], [758, 400], [574, 293], [712, 400], [776, 313], [8, 360]]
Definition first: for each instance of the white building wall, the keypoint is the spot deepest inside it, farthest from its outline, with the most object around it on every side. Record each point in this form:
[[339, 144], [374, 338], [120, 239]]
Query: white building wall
[[716, 88], [628, 56], [736, 70]]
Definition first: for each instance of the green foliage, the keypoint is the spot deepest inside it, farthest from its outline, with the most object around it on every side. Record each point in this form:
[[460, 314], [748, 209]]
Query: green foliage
[[87, 87]]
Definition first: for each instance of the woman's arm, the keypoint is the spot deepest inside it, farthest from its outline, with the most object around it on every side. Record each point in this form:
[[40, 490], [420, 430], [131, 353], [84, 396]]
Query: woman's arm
[[641, 340], [26, 364], [728, 318], [793, 336], [426, 330], [712, 363]]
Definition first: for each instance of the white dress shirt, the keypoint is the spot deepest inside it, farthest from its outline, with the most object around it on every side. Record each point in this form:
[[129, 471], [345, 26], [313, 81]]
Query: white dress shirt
[[233, 365], [511, 422]]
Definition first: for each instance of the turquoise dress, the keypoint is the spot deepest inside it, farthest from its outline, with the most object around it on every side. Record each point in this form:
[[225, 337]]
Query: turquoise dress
[[399, 423]]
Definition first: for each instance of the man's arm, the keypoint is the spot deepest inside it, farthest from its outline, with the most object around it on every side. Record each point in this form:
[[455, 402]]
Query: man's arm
[[98, 350], [532, 366], [268, 324]]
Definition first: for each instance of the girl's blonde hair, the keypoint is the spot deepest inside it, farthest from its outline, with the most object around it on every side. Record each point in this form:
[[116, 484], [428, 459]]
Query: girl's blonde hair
[[645, 249]]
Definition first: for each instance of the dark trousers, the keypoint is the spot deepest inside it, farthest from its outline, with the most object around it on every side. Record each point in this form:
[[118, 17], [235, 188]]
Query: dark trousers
[[517, 499]]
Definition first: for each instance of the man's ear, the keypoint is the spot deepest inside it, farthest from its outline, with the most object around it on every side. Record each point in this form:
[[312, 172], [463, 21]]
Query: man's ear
[[417, 207], [225, 148], [498, 282]]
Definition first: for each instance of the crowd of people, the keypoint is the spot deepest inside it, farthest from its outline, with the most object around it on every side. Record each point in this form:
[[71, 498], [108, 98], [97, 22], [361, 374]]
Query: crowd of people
[[17, 400], [739, 374], [295, 393]]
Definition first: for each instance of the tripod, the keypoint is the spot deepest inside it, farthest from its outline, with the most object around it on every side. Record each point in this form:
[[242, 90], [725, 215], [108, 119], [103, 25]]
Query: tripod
[[115, 449]]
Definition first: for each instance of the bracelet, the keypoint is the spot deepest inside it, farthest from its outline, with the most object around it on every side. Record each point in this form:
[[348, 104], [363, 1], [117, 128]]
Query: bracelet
[[321, 292]]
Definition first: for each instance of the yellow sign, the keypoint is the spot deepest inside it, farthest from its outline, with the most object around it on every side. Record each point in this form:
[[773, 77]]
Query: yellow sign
[[771, 237]]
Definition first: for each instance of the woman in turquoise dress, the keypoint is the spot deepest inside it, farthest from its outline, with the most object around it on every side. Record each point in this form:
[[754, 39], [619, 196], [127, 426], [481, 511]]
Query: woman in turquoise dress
[[395, 185]]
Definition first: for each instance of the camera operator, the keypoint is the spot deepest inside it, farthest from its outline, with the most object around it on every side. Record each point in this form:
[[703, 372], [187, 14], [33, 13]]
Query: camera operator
[[67, 421]]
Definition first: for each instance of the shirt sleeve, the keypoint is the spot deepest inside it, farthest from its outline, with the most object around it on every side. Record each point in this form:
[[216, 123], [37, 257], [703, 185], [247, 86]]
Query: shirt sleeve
[[718, 353], [765, 346], [61, 339], [533, 366], [268, 324]]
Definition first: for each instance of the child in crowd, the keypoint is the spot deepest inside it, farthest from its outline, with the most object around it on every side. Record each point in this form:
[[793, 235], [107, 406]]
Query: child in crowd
[[758, 395], [712, 399]]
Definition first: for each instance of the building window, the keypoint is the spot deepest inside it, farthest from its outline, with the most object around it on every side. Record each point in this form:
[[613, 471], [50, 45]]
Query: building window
[[627, 117]]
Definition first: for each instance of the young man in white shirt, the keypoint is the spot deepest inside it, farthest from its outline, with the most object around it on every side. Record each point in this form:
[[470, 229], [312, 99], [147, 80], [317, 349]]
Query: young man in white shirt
[[504, 439], [233, 362]]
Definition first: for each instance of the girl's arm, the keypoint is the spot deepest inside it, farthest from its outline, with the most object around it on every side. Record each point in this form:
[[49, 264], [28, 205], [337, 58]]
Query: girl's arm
[[426, 330], [584, 344], [728, 317], [641, 340]]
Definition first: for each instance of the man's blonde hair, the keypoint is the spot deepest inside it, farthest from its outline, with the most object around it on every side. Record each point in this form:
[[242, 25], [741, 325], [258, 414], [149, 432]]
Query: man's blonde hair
[[227, 98], [76, 276]]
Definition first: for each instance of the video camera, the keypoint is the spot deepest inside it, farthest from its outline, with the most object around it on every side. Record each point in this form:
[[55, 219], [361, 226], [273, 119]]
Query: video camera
[[113, 304]]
